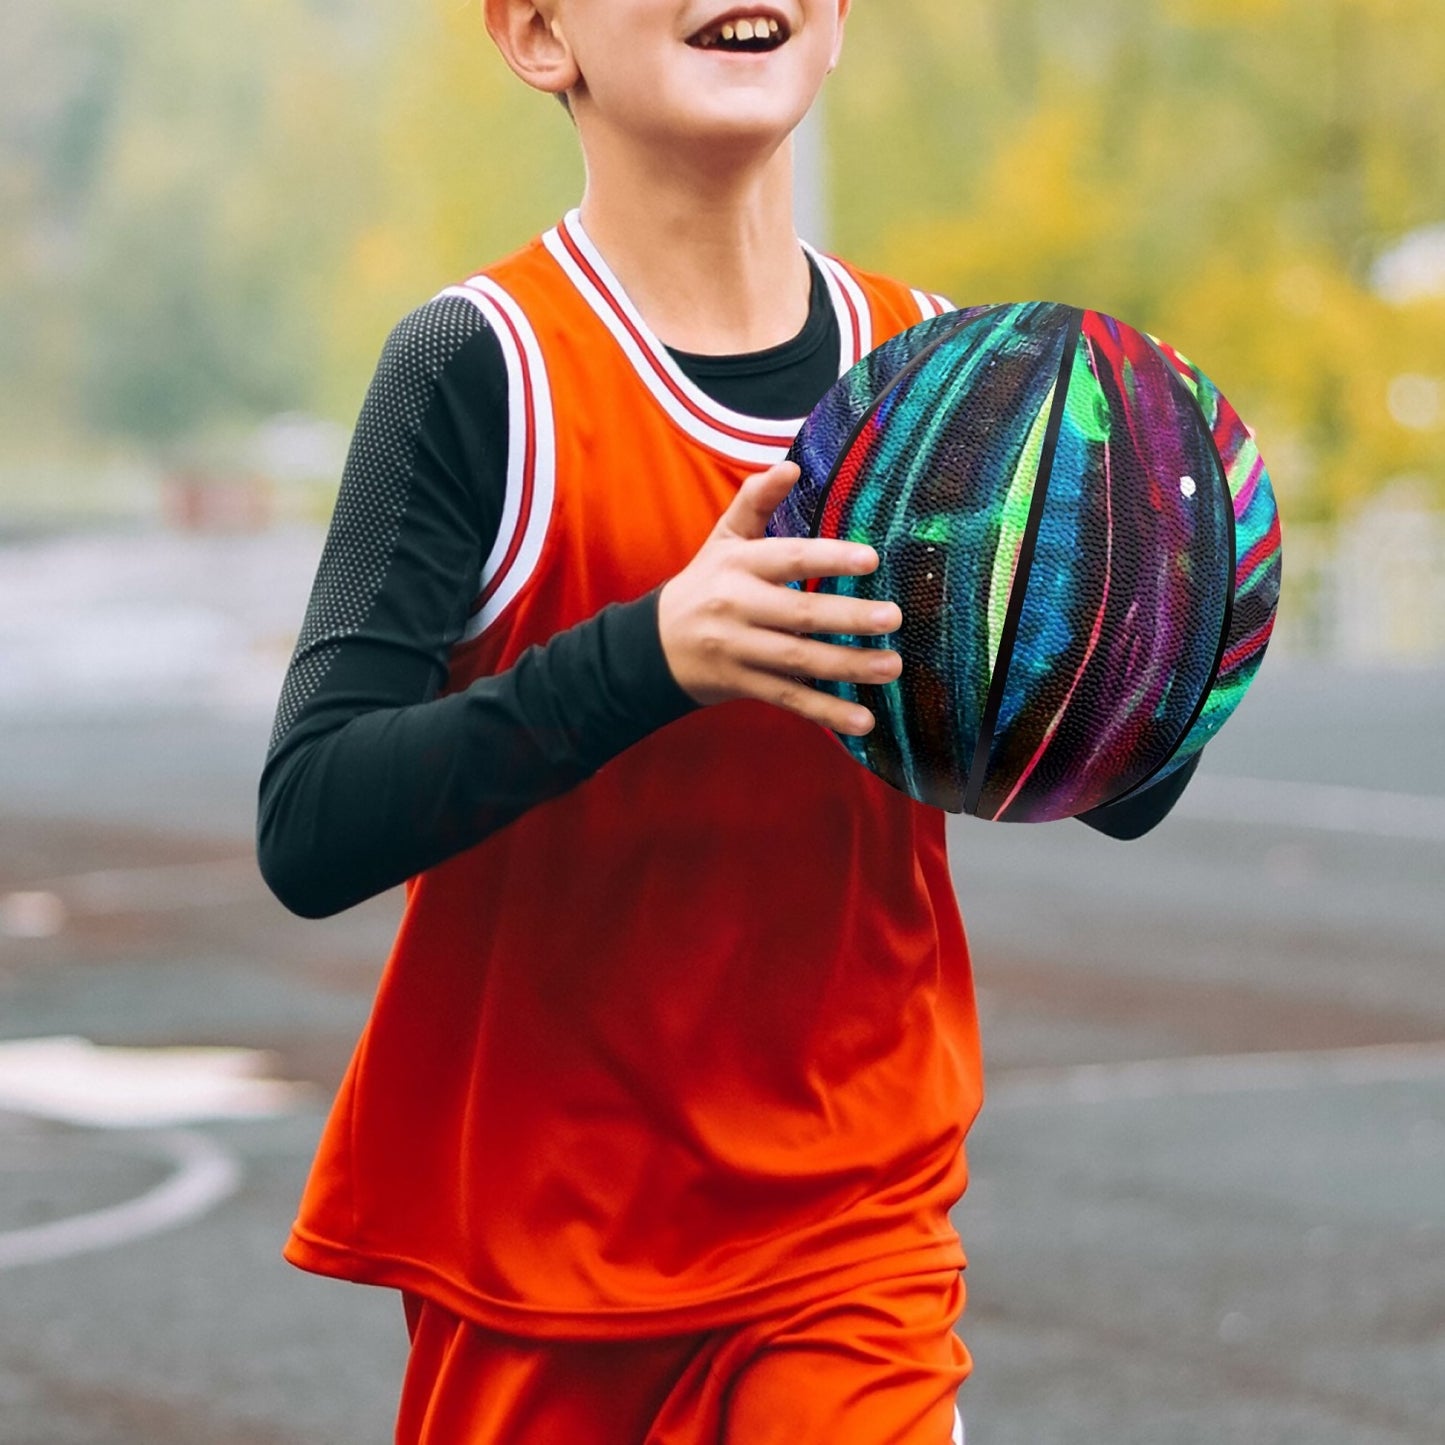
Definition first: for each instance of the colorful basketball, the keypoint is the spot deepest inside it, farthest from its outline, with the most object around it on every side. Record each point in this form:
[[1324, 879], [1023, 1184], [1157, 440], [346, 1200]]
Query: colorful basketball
[[1083, 540]]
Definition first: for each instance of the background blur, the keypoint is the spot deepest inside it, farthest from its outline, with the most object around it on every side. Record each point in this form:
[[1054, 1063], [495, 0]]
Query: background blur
[[210, 218]]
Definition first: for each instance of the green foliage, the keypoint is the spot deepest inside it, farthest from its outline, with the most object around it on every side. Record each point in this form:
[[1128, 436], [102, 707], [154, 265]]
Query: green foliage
[[177, 214]]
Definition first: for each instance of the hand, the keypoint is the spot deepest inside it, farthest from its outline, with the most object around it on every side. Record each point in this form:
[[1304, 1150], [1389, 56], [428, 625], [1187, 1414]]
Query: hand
[[731, 627]]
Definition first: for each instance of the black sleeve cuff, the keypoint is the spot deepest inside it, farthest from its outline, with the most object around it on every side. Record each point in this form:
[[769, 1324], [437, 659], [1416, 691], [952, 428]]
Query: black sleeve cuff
[[636, 667]]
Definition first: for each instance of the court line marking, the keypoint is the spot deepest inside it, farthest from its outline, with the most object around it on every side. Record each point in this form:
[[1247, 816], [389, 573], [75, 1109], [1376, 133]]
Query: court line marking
[[1207, 1075], [1321, 807], [159, 887], [205, 1175], [40, 910], [109, 1086]]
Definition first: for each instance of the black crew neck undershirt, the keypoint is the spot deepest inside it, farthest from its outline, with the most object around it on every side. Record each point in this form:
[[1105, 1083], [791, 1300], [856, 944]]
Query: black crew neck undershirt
[[784, 381]]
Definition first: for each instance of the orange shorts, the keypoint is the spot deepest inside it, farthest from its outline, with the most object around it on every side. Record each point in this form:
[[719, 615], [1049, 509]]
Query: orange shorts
[[880, 1366]]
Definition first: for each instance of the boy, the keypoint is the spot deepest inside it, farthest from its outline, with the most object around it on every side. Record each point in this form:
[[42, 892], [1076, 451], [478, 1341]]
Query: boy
[[660, 1111]]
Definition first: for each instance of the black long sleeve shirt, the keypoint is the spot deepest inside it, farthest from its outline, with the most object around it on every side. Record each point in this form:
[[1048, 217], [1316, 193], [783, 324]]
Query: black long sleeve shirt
[[371, 777]]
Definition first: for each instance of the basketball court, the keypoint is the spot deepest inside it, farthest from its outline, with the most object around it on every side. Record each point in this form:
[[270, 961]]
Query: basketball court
[[1209, 1182]]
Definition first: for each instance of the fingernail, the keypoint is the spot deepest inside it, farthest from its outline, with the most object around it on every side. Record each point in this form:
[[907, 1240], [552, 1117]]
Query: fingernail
[[886, 617]]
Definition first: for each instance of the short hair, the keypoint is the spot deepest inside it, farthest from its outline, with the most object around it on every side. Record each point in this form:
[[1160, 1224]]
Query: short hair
[[566, 101]]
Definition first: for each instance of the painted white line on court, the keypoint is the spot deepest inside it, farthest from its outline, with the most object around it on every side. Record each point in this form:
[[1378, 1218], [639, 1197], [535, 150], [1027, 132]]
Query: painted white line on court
[[1326, 807], [1215, 1074], [41, 910], [167, 885], [105, 1087], [205, 1175]]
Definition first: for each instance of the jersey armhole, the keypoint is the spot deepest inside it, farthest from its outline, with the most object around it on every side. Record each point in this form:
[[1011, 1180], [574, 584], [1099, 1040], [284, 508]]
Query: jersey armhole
[[531, 482], [931, 305]]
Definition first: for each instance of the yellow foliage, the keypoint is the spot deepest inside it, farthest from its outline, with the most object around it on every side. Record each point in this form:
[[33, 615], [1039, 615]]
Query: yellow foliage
[[1232, 13], [1036, 219], [471, 165]]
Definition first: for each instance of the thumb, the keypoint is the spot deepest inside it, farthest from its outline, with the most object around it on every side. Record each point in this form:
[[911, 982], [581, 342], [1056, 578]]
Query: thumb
[[757, 499]]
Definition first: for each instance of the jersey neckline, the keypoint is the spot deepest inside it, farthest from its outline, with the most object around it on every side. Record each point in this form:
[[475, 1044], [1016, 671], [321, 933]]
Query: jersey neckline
[[752, 439], [798, 348]]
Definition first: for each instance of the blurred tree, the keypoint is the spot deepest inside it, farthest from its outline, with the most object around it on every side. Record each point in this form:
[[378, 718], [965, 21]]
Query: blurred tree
[[468, 165], [218, 220], [58, 96], [175, 213]]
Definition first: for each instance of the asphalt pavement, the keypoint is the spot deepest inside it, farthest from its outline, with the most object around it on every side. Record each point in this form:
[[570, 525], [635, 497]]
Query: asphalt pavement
[[1208, 1197]]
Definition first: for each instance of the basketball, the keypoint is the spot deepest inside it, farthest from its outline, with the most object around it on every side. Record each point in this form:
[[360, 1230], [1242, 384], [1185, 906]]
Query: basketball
[[1083, 540]]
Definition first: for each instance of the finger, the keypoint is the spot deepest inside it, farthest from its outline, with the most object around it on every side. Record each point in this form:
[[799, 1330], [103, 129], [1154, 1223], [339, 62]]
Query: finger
[[757, 499], [809, 659], [796, 696], [785, 610], [793, 559]]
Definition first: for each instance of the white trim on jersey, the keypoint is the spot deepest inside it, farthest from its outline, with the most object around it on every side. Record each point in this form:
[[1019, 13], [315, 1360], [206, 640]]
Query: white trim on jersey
[[531, 454], [855, 320], [930, 305], [759, 441]]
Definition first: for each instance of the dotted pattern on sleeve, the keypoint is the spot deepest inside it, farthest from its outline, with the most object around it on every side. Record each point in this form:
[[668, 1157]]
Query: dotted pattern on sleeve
[[375, 488]]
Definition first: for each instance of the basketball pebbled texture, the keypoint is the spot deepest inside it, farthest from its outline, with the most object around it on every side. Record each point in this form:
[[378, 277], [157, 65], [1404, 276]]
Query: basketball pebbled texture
[[1082, 538]]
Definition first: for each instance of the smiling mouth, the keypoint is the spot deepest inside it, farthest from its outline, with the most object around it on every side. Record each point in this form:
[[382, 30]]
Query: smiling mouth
[[746, 34]]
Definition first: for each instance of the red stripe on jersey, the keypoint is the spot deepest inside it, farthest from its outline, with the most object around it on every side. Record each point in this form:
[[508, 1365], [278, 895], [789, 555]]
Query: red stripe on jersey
[[529, 466], [857, 352], [658, 369], [928, 306]]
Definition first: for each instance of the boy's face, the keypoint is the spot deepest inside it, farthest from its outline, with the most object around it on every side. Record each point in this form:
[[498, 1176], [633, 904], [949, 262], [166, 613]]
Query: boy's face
[[724, 72]]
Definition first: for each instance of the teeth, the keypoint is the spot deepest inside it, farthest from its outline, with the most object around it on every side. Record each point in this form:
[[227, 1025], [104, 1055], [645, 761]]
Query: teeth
[[750, 28]]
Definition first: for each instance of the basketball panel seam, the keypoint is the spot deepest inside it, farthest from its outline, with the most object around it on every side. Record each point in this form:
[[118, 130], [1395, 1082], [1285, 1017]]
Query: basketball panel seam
[[1228, 621], [973, 790], [844, 452]]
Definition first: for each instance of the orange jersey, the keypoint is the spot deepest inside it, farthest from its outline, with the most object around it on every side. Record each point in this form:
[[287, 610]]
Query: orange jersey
[[695, 1040]]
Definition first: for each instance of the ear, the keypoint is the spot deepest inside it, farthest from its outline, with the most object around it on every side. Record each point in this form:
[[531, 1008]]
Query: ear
[[532, 43]]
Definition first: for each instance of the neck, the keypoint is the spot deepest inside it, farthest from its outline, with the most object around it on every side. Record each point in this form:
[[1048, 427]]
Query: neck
[[708, 254]]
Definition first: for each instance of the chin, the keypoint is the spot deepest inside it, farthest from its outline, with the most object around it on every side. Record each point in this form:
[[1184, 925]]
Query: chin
[[735, 121]]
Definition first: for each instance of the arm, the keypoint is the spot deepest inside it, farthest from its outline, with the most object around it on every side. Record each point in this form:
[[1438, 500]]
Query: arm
[[1134, 816], [370, 777]]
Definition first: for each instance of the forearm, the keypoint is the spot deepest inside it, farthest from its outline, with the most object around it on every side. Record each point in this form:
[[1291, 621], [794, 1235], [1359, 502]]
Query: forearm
[[371, 777], [350, 810]]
